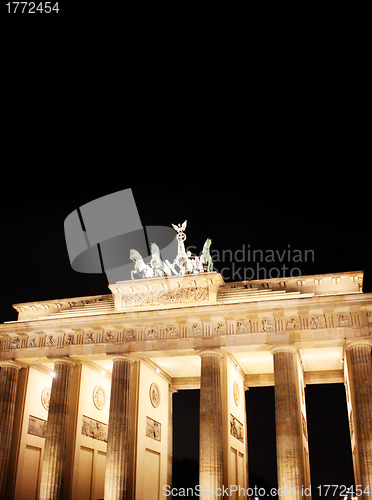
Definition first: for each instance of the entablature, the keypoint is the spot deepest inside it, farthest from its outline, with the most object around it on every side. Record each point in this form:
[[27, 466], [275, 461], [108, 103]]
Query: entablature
[[191, 290], [248, 316]]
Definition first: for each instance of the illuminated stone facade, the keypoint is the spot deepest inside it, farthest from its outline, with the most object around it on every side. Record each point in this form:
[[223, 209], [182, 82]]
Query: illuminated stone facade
[[86, 383]]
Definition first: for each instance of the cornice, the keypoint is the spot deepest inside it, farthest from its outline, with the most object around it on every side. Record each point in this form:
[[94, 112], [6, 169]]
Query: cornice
[[115, 318], [194, 291]]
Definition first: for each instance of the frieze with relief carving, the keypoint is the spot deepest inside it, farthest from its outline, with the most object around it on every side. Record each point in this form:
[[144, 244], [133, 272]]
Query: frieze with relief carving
[[36, 426], [178, 296], [370, 322], [236, 428], [151, 333], [153, 429], [94, 429], [241, 326]]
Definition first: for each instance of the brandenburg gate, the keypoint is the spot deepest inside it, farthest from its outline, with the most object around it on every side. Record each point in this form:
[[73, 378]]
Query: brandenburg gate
[[86, 383]]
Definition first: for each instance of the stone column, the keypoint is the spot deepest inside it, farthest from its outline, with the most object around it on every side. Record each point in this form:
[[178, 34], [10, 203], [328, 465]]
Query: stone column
[[170, 436], [8, 390], [211, 432], [246, 436], [287, 420], [56, 432], [118, 442], [360, 364]]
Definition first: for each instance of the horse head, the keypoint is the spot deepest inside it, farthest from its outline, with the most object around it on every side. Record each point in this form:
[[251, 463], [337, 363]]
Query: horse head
[[155, 249], [207, 244], [134, 255]]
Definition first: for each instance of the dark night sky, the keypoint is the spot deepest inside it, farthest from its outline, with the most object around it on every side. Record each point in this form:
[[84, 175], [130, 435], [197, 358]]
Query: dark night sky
[[268, 162]]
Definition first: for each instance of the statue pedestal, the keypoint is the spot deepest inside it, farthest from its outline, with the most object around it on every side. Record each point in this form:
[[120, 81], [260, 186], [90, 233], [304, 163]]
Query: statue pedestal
[[167, 292]]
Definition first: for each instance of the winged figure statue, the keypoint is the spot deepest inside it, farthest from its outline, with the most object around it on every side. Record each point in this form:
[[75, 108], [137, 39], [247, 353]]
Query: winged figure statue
[[180, 230]]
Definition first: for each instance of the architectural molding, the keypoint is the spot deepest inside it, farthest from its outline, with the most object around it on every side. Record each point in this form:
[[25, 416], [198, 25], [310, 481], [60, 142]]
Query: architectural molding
[[124, 357], [211, 352], [279, 348], [358, 342], [66, 360], [10, 364]]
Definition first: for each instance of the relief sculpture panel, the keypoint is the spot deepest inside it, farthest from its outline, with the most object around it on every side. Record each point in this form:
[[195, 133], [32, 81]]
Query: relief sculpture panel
[[36, 426], [236, 428], [190, 294], [153, 429], [94, 429]]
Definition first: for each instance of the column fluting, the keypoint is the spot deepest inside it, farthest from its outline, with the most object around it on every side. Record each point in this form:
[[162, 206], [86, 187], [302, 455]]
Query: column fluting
[[56, 432], [288, 425], [8, 391], [361, 370], [211, 435], [118, 441]]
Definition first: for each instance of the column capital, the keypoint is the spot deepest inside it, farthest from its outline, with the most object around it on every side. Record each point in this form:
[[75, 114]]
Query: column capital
[[211, 352], [285, 347], [66, 360], [358, 343], [124, 357], [10, 364]]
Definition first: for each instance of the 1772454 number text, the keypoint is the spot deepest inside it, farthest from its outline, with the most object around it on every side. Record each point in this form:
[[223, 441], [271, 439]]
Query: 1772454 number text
[[32, 8]]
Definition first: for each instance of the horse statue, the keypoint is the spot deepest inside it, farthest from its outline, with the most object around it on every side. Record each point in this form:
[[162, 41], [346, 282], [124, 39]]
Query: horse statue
[[140, 268], [198, 266], [159, 267], [205, 258], [184, 263]]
